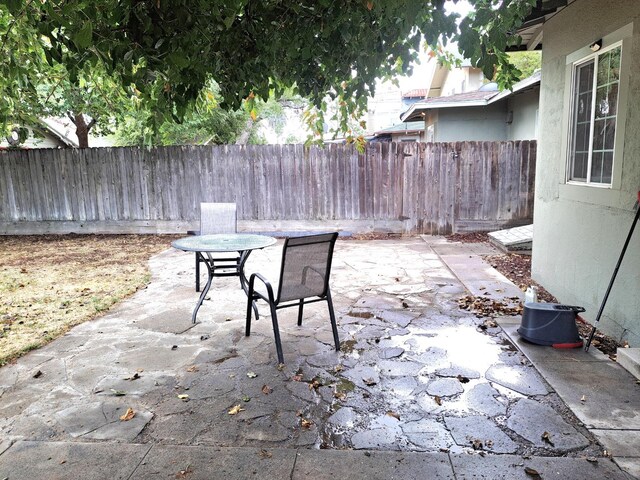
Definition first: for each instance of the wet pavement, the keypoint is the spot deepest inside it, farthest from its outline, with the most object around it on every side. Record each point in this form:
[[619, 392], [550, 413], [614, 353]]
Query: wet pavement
[[416, 377]]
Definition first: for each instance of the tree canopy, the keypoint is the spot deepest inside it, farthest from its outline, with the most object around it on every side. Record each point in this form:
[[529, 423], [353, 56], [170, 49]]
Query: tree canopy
[[165, 52]]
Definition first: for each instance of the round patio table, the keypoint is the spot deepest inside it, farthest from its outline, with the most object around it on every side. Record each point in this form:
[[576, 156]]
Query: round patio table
[[205, 245]]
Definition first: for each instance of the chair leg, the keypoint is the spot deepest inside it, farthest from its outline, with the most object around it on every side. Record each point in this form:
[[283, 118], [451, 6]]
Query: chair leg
[[276, 332], [197, 273], [332, 316], [300, 312], [247, 330]]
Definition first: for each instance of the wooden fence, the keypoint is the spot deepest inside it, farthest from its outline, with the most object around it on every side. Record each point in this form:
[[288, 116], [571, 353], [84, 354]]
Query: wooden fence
[[392, 187]]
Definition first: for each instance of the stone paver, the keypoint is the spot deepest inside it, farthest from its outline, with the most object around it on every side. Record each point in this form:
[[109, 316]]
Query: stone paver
[[481, 433], [542, 426]]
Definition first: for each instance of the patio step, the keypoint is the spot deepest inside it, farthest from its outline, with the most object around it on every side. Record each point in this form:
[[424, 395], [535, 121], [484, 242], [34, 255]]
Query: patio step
[[518, 239], [629, 358]]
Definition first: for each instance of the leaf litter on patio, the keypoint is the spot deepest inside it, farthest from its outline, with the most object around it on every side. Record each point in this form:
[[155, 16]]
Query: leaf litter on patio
[[49, 283]]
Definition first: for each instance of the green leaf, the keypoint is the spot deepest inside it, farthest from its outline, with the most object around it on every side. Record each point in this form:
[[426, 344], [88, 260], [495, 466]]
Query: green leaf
[[83, 37]]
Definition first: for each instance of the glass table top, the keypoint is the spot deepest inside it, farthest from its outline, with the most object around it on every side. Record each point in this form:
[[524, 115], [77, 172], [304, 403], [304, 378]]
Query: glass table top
[[224, 242]]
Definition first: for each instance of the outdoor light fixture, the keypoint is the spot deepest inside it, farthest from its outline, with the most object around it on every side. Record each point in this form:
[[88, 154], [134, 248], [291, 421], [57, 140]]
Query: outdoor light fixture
[[595, 46]]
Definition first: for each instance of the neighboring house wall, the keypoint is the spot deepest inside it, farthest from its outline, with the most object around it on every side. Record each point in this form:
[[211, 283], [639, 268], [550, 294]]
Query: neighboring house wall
[[461, 80], [579, 230], [408, 137], [471, 124], [524, 115], [41, 140]]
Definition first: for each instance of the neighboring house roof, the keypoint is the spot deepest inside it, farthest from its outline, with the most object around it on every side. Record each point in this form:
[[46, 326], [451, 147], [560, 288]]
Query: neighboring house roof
[[406, 127], [416, 93], [479, 98], [63, 130], [531, 29]]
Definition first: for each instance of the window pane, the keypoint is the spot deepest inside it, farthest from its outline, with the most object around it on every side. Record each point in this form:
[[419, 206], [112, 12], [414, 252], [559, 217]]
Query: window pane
[[596, 167], [610, 134], [579, 170], [598, 134], [607, 167]]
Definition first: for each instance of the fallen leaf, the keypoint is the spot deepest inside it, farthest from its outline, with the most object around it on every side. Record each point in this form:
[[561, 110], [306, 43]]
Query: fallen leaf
[[62, 462], [532, 472], [280, 367], [252, 374], [184, 397], [340, 395], [306, 423], [476, 444], [118, 393], [369, 382], [246, 398], [314, 385], [192, 368], [393, 414], [437, 399], [128, 415], [546, 436], [297, 378], [338, 368], [235, 410], [265, 454], [38, 374], [184, 473], [266, 389]]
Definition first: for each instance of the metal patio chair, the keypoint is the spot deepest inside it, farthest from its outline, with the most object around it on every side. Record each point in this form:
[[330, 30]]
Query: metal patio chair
[[218, 218], [304, 278]]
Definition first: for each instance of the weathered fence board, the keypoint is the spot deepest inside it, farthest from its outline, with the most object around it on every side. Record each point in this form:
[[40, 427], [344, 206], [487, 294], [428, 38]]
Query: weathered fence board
[[394, 187]]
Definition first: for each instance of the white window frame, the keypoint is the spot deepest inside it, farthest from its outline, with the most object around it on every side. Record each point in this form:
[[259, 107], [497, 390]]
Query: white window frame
[[574, 70]]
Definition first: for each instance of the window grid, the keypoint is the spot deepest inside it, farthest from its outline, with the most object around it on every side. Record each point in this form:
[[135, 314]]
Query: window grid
[[594, 115]]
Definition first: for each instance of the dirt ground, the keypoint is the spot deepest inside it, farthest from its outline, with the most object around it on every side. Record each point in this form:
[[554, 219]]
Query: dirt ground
[[517, 268], [49, 283]]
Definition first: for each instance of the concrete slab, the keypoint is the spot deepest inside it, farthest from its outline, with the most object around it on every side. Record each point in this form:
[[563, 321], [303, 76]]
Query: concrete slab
[[611, 395], [629, 358], [621, 443], [334, 464], [512, 467], [210, 463], [540, 353], [90, 461], [629, 465]]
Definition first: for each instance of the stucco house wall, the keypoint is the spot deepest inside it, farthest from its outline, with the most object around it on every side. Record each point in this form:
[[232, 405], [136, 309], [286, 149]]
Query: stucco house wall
[[579, 230]]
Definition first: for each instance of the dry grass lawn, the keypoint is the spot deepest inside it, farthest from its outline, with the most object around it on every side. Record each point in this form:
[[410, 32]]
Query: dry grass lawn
[[49, 283]]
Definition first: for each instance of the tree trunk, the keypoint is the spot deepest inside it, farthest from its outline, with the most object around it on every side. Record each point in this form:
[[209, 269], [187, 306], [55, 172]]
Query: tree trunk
[[82, 130], [243, 138]]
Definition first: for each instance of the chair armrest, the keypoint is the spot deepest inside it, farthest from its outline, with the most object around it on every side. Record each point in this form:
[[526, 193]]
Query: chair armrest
[[252, 291]]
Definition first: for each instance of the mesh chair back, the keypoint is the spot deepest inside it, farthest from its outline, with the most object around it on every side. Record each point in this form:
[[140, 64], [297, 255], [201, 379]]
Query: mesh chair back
[[306, 265], [218, 218]]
